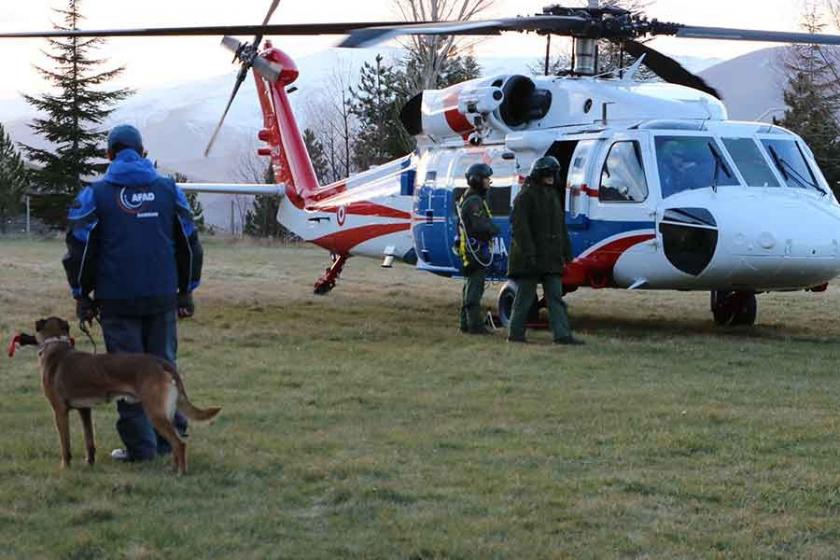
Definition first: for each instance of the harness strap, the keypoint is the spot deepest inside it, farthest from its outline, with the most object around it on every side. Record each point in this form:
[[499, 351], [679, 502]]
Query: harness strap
[[465, 247]]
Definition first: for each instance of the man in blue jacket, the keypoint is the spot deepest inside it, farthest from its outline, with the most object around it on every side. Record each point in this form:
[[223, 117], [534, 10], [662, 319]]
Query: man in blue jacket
[[132, 244]]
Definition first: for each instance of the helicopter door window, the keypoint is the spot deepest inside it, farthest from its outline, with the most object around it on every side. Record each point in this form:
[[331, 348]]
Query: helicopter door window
[[459, 180], [504, 174], [691, 162], [791, 164], [749, 161], [623, 175]]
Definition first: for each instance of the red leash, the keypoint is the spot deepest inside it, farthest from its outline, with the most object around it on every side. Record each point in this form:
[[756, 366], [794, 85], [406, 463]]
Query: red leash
[[13, 345]]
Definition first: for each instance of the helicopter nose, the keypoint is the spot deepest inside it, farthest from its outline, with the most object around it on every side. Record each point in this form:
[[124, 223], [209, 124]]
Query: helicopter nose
[[776, 241]]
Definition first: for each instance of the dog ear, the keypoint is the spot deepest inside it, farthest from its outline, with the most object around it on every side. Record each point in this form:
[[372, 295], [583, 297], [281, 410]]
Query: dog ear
[[65, 326], [27, 340], [39, 324]]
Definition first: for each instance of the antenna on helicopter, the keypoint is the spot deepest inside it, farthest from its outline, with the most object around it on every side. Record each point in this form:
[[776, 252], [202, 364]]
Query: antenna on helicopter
[[248, 55]]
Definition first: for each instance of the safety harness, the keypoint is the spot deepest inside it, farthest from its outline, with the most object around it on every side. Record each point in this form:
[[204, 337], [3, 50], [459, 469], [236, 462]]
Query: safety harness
[[465, 244]]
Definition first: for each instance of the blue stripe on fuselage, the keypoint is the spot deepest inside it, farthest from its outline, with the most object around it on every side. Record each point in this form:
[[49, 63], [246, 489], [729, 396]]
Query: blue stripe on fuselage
[[435, 228]]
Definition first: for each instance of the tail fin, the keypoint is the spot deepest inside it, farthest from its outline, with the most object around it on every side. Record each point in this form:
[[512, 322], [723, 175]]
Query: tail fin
[[183, 403], [290, 159]]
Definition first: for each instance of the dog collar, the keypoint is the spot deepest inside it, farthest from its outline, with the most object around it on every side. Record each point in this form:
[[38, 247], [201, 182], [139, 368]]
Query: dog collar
[[53, 339]]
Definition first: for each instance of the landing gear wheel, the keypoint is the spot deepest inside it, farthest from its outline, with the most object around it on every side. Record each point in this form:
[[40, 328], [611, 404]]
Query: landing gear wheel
[[504, 305], [733, 308]]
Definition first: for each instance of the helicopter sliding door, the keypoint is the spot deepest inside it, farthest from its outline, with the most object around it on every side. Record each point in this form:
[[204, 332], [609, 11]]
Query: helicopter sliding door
[[499, 198], [443, 176], [433, 213], [622, 203]]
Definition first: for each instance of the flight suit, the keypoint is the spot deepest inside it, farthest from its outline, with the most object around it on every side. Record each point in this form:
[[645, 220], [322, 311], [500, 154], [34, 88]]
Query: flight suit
[[476, 232]]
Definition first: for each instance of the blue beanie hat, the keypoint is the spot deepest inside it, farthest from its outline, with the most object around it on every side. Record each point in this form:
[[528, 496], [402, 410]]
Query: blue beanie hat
[[125, 136]]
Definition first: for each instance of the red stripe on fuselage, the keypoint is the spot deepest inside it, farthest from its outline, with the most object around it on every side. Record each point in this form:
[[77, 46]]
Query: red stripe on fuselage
[[342, 242], [594, 193], [596, 268], [584, 190], [364, 209]]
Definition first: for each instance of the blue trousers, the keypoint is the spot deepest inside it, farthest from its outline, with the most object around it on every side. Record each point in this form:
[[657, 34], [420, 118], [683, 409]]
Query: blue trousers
[[151, 334]]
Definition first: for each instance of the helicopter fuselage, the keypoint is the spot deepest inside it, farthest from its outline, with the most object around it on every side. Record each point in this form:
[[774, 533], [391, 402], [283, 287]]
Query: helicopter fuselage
[[662, 192]]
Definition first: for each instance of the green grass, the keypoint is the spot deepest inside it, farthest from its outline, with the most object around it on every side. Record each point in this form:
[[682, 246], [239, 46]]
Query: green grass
[[363, 425]]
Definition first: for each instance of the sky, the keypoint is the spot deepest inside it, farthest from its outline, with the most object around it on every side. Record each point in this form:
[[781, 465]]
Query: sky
[[154, 62]]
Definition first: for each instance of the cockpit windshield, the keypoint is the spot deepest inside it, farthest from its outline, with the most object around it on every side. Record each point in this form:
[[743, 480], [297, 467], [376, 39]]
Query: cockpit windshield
[[750, 162], [691, 162], [788, 159]]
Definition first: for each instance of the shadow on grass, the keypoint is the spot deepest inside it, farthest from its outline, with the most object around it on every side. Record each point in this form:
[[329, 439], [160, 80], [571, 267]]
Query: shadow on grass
[[643, 328]]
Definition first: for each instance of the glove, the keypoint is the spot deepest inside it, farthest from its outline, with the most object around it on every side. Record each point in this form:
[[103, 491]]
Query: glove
[[86, 310], [186, 307]]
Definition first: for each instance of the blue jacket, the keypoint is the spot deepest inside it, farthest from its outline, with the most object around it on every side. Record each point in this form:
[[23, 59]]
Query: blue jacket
[[132, 240]]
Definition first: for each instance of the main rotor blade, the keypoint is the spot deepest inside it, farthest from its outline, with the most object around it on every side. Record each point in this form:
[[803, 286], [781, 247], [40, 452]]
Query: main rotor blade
[[690, 32], [274, 29], [557, 25], [270, 13], [259, 36], [667, 68], [243, 72]]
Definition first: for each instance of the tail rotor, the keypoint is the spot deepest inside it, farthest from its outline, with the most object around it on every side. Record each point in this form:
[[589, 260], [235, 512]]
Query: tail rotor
[[247, 54]]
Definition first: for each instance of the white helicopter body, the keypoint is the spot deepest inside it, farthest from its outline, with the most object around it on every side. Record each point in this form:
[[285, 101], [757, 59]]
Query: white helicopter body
[[744, 223]]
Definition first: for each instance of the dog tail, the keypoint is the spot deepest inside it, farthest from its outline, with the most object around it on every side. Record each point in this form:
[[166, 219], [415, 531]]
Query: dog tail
[[183, 403]]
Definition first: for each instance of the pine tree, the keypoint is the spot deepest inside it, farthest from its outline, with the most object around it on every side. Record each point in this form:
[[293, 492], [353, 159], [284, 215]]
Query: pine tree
[[459, 69], [318, 155], [454, 69], [813, 99], [261, 219], [377, 101], [73, 116], [195, 205], [14, 179]]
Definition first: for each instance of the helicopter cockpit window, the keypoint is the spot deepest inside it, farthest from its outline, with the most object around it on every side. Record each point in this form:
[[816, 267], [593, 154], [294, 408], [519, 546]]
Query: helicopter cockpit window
[[788, 159], [691, 162], [623, 174], [749, 161]]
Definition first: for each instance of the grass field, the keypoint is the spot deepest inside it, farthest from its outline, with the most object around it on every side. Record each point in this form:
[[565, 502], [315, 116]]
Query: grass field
[[363, 425]]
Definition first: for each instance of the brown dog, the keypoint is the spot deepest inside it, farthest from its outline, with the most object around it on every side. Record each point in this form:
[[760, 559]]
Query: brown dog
[[78, 380]]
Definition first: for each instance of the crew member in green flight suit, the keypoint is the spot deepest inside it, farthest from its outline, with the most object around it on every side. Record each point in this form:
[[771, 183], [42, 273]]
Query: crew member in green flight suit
[[476, 231], [539, 250]]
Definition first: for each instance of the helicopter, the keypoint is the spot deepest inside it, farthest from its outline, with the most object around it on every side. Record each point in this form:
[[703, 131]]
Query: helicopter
[[663, 191]]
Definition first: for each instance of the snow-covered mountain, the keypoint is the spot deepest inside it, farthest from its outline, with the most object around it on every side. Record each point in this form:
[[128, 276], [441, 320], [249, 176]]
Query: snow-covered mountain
[[751, 85]]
